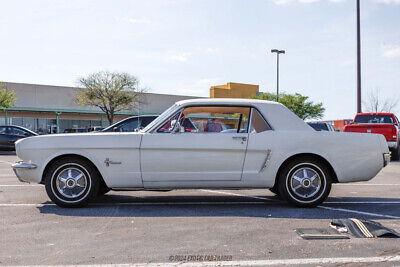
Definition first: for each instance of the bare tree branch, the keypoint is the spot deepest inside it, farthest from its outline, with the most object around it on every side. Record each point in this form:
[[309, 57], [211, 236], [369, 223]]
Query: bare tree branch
[[111, 92], [377, 104]]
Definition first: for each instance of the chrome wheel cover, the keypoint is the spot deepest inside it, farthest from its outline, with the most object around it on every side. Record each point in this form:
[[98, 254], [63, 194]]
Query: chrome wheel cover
[[71, 182], [305, 182]]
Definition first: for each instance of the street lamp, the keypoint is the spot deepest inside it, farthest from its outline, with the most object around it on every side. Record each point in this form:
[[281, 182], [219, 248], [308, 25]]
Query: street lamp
[[358, 59], [277, 70]]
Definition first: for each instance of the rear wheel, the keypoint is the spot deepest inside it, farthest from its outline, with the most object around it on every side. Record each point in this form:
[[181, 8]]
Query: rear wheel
[[72, 182], [305, 182]]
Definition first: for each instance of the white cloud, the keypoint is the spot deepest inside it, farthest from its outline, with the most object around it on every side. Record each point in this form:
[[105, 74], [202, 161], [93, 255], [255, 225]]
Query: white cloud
[[391, 51], [388, 1], [180, 57], [348, 62], [209, 81], [135, 20]]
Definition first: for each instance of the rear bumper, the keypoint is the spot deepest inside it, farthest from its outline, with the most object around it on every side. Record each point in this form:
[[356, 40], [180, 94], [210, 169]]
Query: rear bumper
[[392, 144], [20, 169]]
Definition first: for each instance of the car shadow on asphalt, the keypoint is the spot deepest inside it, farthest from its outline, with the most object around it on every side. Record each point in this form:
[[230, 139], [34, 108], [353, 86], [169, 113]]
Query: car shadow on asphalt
[[113, 205]]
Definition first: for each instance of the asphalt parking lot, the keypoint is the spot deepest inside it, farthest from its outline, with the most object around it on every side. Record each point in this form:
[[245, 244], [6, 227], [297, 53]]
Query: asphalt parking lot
[[244, 227]]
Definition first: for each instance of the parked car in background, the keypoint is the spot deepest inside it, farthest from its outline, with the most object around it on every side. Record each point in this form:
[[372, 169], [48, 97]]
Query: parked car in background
[[136, 123], [386, 124], [131, 124], [271, 148], [76, 130], [321, 126], [9, 134], [95, 129]]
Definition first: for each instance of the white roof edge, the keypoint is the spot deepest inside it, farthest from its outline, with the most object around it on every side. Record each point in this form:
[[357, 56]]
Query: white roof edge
[[225, 101]]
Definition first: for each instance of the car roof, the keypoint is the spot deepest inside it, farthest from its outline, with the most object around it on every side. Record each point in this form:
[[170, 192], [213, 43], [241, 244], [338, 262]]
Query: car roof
[[373, 113], [20, 127], [224, 101]]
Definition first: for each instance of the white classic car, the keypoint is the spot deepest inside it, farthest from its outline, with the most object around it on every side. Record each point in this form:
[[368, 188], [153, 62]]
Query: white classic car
[[235, 144]]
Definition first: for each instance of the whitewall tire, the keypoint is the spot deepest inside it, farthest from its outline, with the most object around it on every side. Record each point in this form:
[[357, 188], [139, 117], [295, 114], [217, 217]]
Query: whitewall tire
[[305, 181], [72, 182]]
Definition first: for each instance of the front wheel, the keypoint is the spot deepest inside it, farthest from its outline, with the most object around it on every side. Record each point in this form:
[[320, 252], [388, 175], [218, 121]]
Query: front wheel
[[72, 182], [305, 182]]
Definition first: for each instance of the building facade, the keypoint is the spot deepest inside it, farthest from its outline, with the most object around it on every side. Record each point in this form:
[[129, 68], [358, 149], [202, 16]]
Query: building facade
[[234, 90], [51, 109]]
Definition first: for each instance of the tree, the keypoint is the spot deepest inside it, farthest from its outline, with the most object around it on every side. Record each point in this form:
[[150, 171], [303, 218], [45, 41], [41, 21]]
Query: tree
[[110, 91], [7, 98], [297, 103], [376, 103]]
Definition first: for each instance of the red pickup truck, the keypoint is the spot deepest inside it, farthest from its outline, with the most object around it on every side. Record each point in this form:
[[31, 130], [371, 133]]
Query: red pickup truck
[[378, 123]]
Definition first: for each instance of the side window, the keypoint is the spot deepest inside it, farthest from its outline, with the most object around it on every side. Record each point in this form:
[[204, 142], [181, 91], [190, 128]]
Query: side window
[[258, 124], [18, 132], [3, 130], [146, 121], [215, 119], [168, 126], [129, 126]]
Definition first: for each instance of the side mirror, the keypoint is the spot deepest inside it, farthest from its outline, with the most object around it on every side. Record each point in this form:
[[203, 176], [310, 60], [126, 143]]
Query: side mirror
[[115, 129]]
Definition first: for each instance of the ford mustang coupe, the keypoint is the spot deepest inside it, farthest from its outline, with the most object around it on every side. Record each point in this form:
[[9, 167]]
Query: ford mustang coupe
[[236, 144]]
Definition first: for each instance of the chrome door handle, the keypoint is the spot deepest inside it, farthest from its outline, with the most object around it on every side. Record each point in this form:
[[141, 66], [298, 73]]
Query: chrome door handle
[[243, 138]]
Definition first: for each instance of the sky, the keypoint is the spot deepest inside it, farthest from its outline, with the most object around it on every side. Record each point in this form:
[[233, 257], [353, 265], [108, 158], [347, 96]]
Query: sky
[[183, 47]]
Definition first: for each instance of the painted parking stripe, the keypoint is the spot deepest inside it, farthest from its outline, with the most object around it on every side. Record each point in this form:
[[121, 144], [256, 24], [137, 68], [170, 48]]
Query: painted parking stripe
[[323, 207], [141, 203], [19, 185], [311, 261], [238, 195], [360, 212], [235, 194], [7, 162], [355, 184], [361, 202]]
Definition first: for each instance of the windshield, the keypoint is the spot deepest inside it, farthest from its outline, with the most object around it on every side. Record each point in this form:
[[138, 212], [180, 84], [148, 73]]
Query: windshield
[[374, 119], [319, 126], [159, 118]]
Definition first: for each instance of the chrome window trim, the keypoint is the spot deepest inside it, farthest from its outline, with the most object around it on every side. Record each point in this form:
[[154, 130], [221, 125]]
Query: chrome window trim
[[164, 121], [180, 108], [262, 116], [217, 105]]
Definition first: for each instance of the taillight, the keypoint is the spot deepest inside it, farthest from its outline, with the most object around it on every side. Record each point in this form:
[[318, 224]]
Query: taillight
[[394, 131]]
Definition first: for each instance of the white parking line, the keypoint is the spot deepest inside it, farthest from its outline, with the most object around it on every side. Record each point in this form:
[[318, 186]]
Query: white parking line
[[238, 195], [360, 212], [10, 163], [362, 202], [11, 175], [312, 261], [141, 203], [322, 207], [19, 185], [355, 184]]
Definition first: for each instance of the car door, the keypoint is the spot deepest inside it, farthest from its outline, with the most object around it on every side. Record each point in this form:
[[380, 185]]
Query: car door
[[16, 134], [4, 137], [214, 151], [263, 148]]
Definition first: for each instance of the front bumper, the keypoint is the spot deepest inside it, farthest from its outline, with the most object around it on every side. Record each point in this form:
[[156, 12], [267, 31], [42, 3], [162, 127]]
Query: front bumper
[[21, 166], [386, 159]]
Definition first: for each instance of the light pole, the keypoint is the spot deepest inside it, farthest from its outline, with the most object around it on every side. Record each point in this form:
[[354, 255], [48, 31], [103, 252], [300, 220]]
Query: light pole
[[277, 70], [358, 59]]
